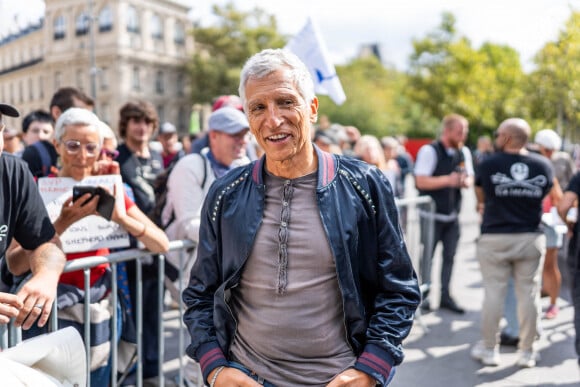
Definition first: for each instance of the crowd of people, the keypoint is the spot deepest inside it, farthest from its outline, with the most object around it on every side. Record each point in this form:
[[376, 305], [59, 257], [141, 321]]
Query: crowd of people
[[287, 285]]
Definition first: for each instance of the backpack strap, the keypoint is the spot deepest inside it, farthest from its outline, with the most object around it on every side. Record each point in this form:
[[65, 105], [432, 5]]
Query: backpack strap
[[44, 157], [203, 183], [204, 171]]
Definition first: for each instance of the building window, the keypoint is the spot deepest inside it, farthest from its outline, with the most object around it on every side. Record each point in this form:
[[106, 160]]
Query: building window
[[57, 80], [136, 81], [30, 89], [40, 87], [180, 84], [156, 27], [80, 79], [182, 118], [103, 76], [132, 20], [105, 112], [159, 87], [105, 19], [82, 24], [161, 113], [21, 91], [179, 33], [59, 27]]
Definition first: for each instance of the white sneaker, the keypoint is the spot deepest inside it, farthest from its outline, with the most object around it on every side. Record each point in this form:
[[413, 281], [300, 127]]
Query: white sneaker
[[528, 359], [487, 356]]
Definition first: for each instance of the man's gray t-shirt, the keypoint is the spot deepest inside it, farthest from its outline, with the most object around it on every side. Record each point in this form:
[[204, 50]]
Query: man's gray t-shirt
[[291, 328]]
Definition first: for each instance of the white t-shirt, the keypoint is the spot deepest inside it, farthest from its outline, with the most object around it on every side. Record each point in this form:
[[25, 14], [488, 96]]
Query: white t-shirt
[[427, 160]]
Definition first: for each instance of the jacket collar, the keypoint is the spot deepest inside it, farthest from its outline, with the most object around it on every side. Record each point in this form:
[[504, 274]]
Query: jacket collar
[[327, 167]]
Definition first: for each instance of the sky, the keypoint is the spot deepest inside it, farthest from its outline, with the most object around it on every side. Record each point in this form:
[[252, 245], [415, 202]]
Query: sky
[[525, 25]]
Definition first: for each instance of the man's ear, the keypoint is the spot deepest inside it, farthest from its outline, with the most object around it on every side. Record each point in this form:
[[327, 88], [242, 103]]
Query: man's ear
[[314, 110], [55, 112]]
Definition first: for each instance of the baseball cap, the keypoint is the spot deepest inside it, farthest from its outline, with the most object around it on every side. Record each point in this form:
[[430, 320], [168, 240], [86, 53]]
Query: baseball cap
[[167, 127], [8, 110], [549, 139], [228, 120], [227, 100]]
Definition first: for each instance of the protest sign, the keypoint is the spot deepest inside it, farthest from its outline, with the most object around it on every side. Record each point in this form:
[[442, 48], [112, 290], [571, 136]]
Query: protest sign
[[92, 232]]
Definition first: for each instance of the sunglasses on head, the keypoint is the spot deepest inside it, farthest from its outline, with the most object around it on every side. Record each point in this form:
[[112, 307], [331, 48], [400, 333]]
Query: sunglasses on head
[[113, 154]]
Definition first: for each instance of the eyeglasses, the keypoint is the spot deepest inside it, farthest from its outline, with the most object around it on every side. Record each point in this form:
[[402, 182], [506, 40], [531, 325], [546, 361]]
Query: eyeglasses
[[496, 134], [113, 154], [73, 147]]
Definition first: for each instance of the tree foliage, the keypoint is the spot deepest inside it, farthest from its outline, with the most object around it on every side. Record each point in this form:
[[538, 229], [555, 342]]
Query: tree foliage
[[447, 75], [554, 87], [375, 101], [222, 49]]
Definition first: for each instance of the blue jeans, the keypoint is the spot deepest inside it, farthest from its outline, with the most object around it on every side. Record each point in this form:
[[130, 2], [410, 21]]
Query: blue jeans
[[512, 329], [251, 374]]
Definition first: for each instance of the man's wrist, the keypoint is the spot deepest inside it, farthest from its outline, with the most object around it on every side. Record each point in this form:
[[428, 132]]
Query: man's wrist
[[213, 375]]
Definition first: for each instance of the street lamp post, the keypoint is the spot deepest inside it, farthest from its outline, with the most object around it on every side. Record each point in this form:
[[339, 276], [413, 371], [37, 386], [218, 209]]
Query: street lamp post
[[93, 65]]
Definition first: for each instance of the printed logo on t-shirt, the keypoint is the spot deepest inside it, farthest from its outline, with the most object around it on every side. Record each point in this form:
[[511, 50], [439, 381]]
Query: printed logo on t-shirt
[[519, 184]]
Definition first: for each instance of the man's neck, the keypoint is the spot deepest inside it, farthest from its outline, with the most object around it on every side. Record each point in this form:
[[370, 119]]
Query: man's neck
[[446, 143], [139, 149], [516, 151], [293, 168]]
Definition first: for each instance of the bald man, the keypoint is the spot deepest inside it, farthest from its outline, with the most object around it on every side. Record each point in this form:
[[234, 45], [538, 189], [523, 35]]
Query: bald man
[[510, 186]]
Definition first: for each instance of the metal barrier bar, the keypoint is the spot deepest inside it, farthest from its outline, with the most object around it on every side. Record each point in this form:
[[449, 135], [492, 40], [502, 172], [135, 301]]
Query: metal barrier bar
[[419, 250], [139, 311], [160, 295], [418, 226], [87, 326], [181, 338], [11, 335], [114, 325]]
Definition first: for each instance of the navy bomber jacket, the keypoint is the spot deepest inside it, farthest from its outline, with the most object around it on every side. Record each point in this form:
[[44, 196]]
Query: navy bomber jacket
[[379, 286]]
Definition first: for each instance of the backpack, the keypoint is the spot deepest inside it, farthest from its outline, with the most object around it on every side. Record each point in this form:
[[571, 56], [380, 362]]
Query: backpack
[[160, 189]]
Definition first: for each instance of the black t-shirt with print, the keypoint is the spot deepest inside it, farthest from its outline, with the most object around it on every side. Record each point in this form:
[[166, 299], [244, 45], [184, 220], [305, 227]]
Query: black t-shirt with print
[[514, 186], [23, 215], [140, 174]]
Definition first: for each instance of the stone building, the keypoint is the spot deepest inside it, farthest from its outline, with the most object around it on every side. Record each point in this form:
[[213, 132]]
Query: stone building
[[114, 50]]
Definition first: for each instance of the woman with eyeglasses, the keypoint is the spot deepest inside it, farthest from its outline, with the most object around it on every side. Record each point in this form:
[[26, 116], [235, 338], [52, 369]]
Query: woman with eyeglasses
[[79, 143]]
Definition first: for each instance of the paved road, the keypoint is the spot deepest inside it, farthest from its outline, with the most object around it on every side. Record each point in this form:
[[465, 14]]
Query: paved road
[[439, 357]]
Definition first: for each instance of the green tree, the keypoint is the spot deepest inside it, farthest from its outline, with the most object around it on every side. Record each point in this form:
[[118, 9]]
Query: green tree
[[376, 103], [447, 76], [223, 48], [554, 87]]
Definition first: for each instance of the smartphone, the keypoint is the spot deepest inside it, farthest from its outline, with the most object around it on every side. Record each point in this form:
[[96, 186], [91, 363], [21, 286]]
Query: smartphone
[[106, 200]]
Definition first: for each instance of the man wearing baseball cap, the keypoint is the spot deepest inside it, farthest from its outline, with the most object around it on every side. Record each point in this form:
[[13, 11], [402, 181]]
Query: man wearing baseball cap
[[23, 217], [191, 178], [226, 100], [8, 110]]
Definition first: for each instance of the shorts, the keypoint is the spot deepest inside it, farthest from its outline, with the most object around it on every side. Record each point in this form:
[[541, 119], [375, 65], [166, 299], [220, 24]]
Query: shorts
[[554, 239]]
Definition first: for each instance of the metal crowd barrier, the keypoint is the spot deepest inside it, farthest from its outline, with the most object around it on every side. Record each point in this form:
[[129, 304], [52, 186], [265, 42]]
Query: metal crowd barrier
[[418, 230], [418, 225], [10, 336]]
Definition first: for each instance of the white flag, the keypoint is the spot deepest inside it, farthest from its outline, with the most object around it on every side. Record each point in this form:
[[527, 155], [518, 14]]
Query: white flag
[[310, 48]]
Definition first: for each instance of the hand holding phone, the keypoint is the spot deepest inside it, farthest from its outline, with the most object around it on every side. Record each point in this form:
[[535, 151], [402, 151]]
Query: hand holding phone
[[106, 200]]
